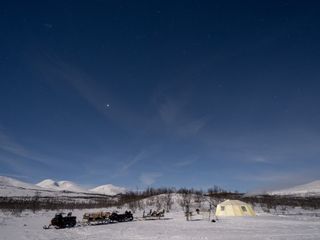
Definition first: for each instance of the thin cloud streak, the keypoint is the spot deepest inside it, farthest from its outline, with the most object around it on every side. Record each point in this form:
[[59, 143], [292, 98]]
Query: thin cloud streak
[[50, 67], [9, 145], [18, 176], [173, 114], [148, 179], [22, 155], [142, 155], [275, 147], [187, 162], [275, 180]]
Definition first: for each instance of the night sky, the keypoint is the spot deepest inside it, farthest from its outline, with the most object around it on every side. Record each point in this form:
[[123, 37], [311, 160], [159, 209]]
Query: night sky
[[161, 93]]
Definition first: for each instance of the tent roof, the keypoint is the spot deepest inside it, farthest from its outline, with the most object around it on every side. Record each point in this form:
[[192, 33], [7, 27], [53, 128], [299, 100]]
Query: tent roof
[[232, 202]]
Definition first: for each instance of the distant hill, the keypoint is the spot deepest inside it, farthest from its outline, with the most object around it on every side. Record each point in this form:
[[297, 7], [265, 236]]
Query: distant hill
[[11, 182], [10, 187], [61, 186], [305, 190], [108, 189]]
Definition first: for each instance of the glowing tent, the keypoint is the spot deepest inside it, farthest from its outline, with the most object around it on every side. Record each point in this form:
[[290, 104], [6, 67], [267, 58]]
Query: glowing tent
[[234, 208]]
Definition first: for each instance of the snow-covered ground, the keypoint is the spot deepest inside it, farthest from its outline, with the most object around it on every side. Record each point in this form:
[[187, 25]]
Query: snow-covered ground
[[29, 226], [282, 222]]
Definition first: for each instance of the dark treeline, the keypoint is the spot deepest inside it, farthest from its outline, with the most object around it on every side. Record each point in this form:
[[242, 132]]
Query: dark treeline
[[51, 203], [272, 201], [149, 192]]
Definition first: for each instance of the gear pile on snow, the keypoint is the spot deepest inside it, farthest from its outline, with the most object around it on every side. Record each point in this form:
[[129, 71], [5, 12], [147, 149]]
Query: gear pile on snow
[[153, 215], [96, 217], [61, 221]]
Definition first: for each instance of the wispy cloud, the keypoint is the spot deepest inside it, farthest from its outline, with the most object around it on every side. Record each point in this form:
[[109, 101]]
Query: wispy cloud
[[143, 155], [10, 145], [52, 69], [149, 178], [274, 147], [128, 164], [170, 110], [15, 154], [259, 159], [187, 162], [184, 163], [270, 180], [192, 127], [18, 176], [173, 114]]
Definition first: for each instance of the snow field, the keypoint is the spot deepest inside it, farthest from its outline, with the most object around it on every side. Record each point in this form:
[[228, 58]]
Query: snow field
[[29, 226]]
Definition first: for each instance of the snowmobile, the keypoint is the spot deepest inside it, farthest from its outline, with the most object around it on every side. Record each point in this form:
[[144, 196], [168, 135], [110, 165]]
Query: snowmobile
[[61, 221], [125, 217]]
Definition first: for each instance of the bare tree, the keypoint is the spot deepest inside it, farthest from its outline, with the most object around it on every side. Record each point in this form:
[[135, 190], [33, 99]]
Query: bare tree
[[199, 198], [133, 206], [159, 203], [185, 201], [213, 202], [168, 201]]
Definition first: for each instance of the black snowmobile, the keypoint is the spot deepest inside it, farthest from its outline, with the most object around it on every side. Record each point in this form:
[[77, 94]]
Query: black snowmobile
[[61, 221], [125, 217]]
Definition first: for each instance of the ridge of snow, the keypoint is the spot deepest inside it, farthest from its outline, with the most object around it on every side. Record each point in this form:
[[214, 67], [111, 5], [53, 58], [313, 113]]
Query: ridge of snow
[[10, 182], [308, 189], [108, 189], [71, 186], [48, 183], [60, 186]]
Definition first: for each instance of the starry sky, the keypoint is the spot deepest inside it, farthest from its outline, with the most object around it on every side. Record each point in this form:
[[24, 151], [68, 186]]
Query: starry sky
[[161, 93]]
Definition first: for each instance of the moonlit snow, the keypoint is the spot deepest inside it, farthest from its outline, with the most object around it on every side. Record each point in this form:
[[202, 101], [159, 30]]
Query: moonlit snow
[[290, 223], [29, 226]]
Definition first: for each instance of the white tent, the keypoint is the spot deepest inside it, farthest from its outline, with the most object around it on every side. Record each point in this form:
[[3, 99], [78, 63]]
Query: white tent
[[234, 208]]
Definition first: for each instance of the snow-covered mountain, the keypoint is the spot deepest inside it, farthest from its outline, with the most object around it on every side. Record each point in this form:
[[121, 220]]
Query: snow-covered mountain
[[108, 189], [60, 186], [49, 184], [10, 187], [305, 190], [6, 181]]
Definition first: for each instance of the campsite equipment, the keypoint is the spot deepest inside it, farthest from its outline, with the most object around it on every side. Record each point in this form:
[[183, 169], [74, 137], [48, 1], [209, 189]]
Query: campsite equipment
[[96, 217], [153, 215], [234, 208], [61, 221], [125, 217]]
